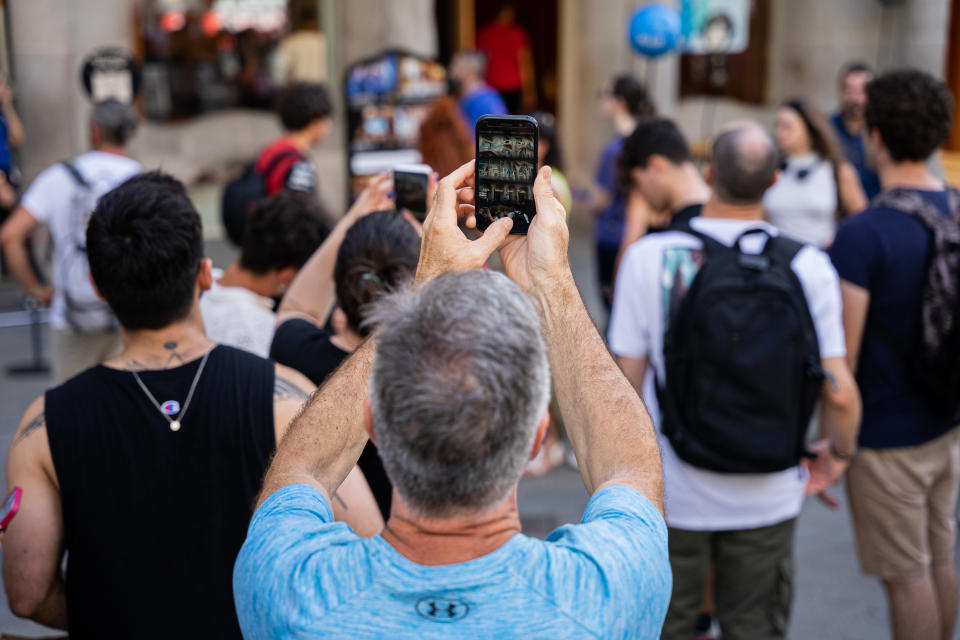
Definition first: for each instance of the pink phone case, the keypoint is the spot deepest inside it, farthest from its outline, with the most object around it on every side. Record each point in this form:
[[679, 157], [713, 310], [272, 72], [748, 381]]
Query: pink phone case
[[16, 493]]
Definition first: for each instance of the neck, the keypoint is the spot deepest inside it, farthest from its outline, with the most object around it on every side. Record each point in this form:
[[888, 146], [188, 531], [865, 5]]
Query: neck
[[853, 123], [165, 348], [237, 276], [716, 209], [799, 152], [912, 175], [111, 148], [624, 123], [689, 188], [471, 85], [460, 538], [300, 139]]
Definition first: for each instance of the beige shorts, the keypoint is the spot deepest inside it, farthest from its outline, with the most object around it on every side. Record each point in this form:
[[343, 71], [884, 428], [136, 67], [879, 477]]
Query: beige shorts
[[903, 502], [72, 353]]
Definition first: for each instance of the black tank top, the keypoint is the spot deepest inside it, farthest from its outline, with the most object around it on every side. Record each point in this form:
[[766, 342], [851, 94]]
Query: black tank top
[[154, 518]]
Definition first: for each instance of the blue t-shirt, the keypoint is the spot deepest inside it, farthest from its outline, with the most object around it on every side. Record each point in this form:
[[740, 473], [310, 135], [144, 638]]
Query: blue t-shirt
[[609, 228], [485, 101], [853, 149], [886, 252], [6, 159], [300, 574]]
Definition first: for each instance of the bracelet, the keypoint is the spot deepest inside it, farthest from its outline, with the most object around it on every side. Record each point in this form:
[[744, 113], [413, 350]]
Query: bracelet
[[839, 456]]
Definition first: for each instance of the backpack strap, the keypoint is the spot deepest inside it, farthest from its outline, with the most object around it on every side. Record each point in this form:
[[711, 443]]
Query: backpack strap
[[277, 159], [75, 173]]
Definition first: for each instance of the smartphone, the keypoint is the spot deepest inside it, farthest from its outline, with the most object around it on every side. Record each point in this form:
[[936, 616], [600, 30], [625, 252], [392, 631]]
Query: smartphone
[[10, 507], [410, 188], [506, 169]]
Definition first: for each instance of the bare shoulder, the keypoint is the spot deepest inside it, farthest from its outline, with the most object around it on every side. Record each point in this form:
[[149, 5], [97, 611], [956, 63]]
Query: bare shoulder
[[290, 384], [30, 448]]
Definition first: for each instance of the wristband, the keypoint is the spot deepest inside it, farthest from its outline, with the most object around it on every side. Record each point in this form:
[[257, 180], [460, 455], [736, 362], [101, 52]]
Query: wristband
[[839, 456]]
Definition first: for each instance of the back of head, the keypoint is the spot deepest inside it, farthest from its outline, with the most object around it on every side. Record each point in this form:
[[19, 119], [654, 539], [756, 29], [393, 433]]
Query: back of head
[[657, 136], [443, 140], [145, 245], [912, 111], [378, 253], [282, 231], [468, 65], [114, 121], [634, 96], [303, 103], [743, 163], [459, 383]]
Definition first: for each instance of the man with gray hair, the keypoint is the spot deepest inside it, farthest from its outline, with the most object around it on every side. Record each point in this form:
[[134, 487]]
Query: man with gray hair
[[732, 502], [83, 331], [477, 98], [459, 379]]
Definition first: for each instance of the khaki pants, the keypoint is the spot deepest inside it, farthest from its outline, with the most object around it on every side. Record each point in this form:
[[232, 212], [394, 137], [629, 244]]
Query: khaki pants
[[753, 581], [72, 352]]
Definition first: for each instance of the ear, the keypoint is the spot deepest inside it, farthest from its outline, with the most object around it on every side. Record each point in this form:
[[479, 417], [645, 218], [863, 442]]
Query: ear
[[96, 289], [368, 420], [285, 276], [708, 174], [658, 162], [541, 433], [205, 277]]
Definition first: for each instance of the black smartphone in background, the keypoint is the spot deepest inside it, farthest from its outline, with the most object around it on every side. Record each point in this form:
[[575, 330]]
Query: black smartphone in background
[[506, 169], [410, 188]]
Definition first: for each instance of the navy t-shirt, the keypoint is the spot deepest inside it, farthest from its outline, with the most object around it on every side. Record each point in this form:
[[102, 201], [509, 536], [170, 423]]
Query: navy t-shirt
[[853, 149], [887, 252]]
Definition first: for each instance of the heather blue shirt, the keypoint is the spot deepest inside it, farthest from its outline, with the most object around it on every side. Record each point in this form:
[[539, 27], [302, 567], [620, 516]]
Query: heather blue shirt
[[886, 252], [300, 574], [853, 149], [485, 101], [609, 228]]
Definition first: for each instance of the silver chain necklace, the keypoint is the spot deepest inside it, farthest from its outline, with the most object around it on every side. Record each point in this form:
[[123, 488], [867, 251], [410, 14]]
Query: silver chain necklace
[[175, 424]]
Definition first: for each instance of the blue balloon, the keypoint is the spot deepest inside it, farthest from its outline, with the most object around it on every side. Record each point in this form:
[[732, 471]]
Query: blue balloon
[[654, 30]]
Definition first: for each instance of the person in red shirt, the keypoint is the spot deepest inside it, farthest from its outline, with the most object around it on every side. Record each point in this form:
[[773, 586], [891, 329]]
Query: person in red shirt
[[306, 111], [509, 60]]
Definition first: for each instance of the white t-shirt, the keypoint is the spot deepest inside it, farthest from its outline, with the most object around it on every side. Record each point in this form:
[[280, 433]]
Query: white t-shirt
[[805, 207], [239, 318], [697, 499], [51, 200]]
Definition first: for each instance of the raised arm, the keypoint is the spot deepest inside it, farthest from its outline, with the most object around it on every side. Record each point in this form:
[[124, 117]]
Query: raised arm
[[608, 425], [33, 544], [312, 293], [325, 440]]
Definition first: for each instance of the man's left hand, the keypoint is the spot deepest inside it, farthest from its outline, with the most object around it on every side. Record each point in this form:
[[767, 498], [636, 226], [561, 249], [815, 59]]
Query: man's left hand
[[824, 470]]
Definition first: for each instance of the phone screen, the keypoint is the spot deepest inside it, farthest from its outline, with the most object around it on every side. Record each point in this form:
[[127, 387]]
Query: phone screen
[[10, 507], [411, 192], [506, 169]]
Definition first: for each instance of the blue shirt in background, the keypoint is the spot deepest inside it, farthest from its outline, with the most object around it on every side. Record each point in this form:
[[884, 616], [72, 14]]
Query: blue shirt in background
[[485, 101], [852, 144], [886, 252], [300, 574], [609, 227]]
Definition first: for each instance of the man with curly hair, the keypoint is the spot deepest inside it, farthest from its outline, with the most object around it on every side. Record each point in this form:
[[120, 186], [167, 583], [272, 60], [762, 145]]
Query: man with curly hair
[[902, 483]]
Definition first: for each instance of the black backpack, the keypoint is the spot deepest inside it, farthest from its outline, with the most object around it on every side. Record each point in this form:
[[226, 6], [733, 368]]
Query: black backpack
[[241, 193], [933, 365], [742, 361]]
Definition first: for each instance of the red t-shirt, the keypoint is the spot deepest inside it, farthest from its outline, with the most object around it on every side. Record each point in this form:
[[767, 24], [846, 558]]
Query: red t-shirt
[[502, 44], [277, 178]]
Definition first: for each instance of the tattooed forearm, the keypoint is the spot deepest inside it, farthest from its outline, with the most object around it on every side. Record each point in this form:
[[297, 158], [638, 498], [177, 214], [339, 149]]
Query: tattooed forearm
[[286, 390], [37, 423]]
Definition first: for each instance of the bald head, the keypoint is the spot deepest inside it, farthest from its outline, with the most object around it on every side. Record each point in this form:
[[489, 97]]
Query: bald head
[[744, 163]]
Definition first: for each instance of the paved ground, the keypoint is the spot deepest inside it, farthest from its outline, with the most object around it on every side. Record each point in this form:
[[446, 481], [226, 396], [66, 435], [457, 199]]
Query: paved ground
[[833, 601]]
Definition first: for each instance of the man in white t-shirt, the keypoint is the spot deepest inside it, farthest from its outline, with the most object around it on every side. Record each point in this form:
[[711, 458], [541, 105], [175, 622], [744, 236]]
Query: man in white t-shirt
[[280, 234], [743, 523], [62, 197]]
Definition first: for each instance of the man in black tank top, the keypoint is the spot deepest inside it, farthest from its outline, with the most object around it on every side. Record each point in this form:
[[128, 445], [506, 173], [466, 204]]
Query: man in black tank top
[[144, 470]]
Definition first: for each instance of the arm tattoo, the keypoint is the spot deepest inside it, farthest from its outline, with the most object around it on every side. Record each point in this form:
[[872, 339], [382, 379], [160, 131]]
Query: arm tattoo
[[37, 423], [286, 390], [336, 496]]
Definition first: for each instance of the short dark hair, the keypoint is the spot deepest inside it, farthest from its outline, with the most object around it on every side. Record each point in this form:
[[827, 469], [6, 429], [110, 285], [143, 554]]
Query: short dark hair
[[282, 231], [634, 95], [145, 245], [912, 111], [856, 66], [303, 103], [657, 136], [741, 176], [379, 252]]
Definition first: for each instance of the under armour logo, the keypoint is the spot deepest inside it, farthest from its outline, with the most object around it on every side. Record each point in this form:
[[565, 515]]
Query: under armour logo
[[442, 609]]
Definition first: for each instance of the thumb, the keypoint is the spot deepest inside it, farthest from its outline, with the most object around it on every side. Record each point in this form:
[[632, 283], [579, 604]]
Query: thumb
[[542, 188], [494, 236]]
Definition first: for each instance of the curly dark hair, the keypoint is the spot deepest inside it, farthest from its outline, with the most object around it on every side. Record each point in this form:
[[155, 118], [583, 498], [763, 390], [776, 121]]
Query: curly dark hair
[[634, 96], [303, 103], [282, 231], [912, 111]]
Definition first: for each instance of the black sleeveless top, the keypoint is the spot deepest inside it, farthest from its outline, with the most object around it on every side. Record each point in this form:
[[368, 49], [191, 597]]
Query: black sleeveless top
[[154, 518]]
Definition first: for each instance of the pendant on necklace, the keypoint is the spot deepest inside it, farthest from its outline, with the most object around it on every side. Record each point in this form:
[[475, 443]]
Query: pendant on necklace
[[175, 425]]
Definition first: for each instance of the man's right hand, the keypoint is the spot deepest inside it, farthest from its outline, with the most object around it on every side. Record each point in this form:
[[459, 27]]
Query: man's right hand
[[538, 261], [43, 294]]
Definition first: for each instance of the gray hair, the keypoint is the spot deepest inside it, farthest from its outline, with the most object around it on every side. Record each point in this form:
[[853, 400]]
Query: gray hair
[[115, 120], [744, 163], [475, 61], [459, 383]]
